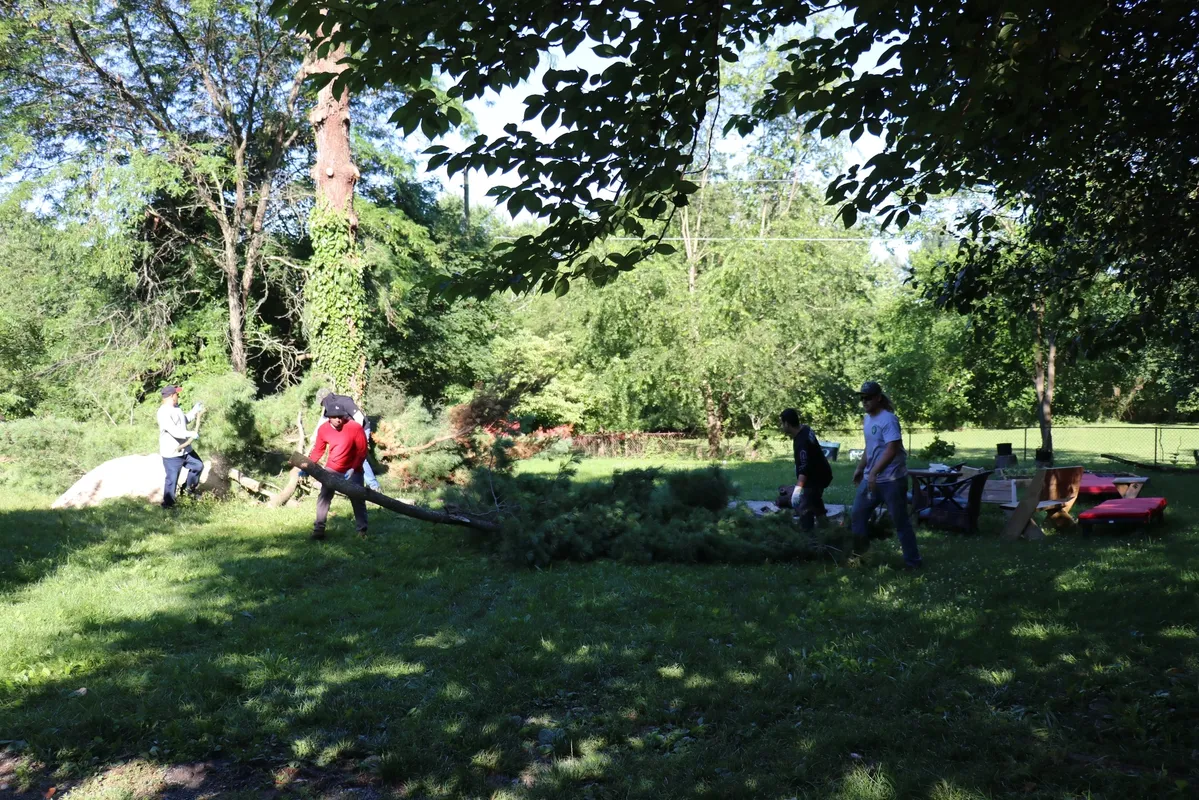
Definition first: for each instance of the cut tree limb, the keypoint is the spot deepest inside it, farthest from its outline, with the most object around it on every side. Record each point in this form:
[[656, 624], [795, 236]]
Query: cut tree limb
[[246, 482], [293, 480], [353, 490]]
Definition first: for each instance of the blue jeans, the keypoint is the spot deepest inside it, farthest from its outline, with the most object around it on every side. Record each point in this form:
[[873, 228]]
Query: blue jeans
[[188, 461], [895, 495], [369, 475]]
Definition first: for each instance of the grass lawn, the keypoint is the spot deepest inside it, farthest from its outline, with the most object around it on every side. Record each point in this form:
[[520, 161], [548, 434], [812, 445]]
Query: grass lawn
[[219, 652]]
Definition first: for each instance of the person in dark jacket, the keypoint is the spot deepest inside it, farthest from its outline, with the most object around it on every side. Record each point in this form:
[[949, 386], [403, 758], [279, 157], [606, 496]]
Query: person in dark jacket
[[812, 471]]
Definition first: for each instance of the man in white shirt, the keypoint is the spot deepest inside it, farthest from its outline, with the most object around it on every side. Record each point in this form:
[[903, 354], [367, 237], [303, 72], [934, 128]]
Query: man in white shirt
[[175, 445], [882, 475]]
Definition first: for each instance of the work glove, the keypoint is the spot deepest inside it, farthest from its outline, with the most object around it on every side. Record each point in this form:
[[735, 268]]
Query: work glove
[[193, 434], [796, 494], [303, 474], [349, 473], [197, 408]]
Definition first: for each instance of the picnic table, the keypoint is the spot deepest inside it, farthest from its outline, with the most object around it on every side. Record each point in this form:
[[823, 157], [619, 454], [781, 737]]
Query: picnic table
[[922, 479], [1101, 485], [1052, 491]]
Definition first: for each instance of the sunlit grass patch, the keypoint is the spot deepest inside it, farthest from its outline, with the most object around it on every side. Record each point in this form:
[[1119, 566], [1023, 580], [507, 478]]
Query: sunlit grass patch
[[434, 671]]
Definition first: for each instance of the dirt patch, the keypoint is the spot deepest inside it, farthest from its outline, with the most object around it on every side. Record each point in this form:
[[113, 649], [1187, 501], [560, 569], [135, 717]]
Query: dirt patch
[[22, 779]]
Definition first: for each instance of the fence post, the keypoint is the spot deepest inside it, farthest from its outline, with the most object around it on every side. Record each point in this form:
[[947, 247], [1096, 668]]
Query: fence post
[[909, 440], [1157, 435], [1026, 444]]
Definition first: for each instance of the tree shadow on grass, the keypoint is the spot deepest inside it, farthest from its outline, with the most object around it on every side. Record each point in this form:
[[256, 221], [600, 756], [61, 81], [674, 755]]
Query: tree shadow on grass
[[34, 542], [1038, 670]]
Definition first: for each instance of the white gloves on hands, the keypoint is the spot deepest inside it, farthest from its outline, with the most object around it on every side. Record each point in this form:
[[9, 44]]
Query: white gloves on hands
[[193, 434], [197, 408], [796, 494]]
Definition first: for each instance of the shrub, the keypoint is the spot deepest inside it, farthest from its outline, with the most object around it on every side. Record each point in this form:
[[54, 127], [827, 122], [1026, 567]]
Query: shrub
[[49, 454], [275, 415], [229, 426], [637, 516], [937, 449], [709, 488]]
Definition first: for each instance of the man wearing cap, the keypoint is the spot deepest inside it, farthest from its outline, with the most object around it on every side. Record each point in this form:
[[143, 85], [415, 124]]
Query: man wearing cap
[[175, 445], [346, 444], [324, 397], [882, 474]]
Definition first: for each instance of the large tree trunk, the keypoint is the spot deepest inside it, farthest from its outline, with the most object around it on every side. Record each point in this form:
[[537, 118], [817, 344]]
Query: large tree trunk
[[327, 478], [1044, 379], [237, 322], [335, 176], [334, 173]]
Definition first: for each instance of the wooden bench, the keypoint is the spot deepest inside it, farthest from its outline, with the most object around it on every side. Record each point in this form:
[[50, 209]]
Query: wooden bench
[[1052, 492]]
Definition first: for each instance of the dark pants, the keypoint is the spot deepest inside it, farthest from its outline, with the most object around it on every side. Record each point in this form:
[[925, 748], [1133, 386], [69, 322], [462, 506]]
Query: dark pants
[[811, 506], [893, 494], [326, 497], [190, 462]]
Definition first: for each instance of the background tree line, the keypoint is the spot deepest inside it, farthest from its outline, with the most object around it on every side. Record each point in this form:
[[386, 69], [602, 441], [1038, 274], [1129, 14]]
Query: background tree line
[[153, 225]]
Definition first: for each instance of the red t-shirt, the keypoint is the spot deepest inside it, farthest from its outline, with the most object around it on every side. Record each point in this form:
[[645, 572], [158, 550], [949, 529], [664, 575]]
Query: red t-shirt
[[347, 447]]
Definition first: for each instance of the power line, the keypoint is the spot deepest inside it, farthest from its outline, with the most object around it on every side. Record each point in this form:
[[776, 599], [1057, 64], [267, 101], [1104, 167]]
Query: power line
[[750, 239]]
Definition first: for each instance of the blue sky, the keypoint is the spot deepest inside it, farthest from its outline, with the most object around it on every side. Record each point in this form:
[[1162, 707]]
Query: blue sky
[[496, 110]]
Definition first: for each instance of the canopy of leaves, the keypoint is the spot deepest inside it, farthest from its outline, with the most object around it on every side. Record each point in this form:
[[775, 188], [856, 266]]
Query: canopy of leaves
[[1082, 110]]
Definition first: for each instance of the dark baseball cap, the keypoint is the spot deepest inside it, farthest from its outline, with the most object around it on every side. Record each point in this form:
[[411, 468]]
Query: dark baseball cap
[[167, 391], [870, 389], [339, 407]]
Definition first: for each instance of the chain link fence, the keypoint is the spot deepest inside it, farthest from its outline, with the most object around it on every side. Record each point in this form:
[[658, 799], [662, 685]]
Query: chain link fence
[[1072, 444], [1081, 444]]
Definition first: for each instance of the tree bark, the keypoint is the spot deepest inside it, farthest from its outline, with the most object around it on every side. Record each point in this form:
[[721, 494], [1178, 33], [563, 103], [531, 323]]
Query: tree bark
[[334, 172], [327, 478], [1044, 376], [237, 322], [336, 175]]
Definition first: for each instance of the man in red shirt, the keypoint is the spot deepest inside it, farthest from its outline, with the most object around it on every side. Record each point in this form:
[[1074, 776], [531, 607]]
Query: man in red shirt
[[346, 443]]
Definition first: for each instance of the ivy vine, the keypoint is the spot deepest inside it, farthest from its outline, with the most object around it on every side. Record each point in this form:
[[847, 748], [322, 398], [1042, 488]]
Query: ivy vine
[[335, 300]]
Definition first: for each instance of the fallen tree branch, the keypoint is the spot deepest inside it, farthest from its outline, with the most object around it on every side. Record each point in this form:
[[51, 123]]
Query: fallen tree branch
[[402, 451], [1155, 467], [293, 480], [353, 490], [250, 484]]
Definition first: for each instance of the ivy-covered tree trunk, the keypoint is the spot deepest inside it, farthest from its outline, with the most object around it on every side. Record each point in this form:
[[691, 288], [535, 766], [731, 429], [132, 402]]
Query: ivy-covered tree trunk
[[335, 300], [335, 294]]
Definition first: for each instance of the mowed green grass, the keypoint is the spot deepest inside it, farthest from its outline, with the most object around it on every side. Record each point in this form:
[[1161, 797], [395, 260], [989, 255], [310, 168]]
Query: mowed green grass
[[1061, 669]]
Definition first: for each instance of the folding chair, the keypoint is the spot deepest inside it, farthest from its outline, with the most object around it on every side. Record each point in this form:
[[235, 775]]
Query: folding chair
[[955, 505]]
